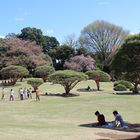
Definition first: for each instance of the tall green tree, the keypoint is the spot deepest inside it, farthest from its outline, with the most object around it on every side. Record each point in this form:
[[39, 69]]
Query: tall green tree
[[127, 60], [102, 38], [61, 54], [49, 43], [32, 34]]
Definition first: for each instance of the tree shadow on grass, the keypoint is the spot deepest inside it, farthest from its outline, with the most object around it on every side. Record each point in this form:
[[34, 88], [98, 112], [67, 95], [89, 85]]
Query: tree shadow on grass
[[118, 136], [125, 93], [134, 128], [85, 90], [131, 127], [16, 85], [60, 94]]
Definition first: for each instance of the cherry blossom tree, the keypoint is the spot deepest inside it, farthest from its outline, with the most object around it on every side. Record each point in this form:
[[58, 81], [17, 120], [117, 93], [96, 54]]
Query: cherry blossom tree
[[80, 63], [24, 53]]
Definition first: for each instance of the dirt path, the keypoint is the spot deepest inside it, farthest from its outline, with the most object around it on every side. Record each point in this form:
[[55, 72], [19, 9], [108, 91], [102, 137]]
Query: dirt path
[[119, 135]]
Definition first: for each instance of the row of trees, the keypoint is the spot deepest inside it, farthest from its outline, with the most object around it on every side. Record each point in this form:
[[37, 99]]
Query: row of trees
[[67, 78], [14, 51], [125, 64], [101, 44], [98, 40]]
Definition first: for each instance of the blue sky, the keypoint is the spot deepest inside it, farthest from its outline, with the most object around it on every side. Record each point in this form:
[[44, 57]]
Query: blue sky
[[60, 18]]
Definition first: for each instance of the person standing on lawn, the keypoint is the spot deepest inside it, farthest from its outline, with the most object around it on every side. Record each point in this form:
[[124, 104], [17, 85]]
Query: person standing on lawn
[[37, 92], [3, 94]]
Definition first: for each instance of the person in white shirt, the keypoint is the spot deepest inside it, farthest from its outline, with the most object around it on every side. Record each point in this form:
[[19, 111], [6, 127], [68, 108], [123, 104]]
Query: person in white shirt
[[21, 94], [11, 95], [30, 93], [25, 93]]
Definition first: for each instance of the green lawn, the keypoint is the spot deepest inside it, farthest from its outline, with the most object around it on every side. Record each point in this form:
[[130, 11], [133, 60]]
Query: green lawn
[[58, 118]]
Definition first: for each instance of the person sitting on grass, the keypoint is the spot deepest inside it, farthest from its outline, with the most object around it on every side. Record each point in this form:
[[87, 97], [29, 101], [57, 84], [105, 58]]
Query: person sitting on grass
[[100, 118], [118, 120], [88, 88]]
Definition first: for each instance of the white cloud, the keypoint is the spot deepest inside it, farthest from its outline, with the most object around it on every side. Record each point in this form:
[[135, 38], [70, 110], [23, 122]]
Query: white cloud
[[2, 36], [50, 31], [19, 19], [132, 33]]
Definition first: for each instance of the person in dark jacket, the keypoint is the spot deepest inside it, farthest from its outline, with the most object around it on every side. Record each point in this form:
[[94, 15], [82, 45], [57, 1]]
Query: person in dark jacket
[[100, 118]]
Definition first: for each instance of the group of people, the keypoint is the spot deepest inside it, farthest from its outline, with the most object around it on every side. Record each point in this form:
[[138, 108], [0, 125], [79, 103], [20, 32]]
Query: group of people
[[27, 93], [118, 122], [23, 94]]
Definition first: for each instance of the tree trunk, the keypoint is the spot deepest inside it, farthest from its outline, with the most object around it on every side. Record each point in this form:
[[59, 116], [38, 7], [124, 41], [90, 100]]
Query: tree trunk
[[35, 88], [14, 82], [135, 91], [67, 90], [44, 79], [21, 79], [98, 85]]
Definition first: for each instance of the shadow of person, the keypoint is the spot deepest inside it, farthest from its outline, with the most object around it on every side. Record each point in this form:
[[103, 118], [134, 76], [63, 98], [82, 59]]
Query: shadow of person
[[131, 127], [85, 90]]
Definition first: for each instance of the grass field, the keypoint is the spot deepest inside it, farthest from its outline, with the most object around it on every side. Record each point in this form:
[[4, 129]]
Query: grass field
[[59, 118]]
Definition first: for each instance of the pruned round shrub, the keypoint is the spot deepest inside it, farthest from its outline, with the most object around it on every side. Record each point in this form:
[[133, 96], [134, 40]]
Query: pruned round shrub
[[67, 78], [44, 71], [98, 76], [14, 73], [104, 77], [120, 87], [127, 84], [35, 82]]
